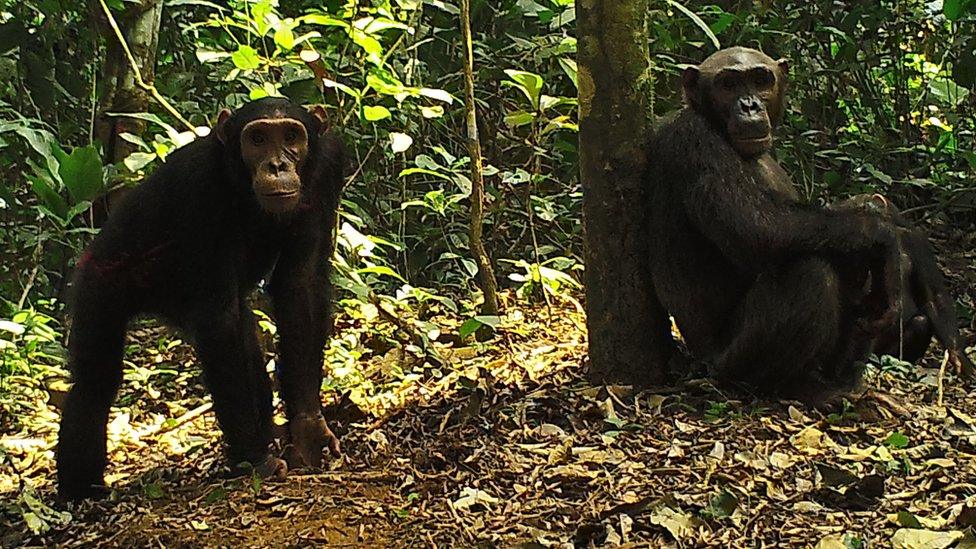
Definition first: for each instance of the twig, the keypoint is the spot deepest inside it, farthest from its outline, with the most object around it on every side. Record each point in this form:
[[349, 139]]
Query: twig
[[185, 418], [945, 360], [138, 74], [408, 330]]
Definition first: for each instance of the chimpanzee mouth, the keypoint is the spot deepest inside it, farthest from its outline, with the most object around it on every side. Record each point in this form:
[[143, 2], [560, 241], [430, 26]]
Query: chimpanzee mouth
[[280, 194]]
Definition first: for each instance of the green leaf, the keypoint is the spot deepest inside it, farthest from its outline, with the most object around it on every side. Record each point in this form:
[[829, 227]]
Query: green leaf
[[908, 520], [439, 95], [81, 173], [519, 118], [285, 38], [569, 67], [246, 58], [210, 56], [374, 113], [529, 83], [153, 491], [896, 440], [436, 111], [138, 160], [472, 325], [372, 46], [698, 22], [381, 270], [48, 196]]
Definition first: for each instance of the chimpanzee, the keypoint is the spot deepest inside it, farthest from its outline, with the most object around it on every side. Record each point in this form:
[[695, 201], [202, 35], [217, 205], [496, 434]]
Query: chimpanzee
[[256, 197], [927, 307], [753, 277]]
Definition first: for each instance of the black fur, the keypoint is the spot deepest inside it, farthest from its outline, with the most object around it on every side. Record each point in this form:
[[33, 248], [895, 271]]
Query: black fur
[[750, 273], [189, 245]]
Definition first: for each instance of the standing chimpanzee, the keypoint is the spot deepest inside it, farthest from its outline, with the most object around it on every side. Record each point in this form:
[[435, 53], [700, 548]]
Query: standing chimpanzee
[[753, 277], [257, 196], [927, 307]]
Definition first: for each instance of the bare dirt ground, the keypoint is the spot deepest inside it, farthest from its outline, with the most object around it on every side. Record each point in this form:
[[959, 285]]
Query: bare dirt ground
[[511, 447]]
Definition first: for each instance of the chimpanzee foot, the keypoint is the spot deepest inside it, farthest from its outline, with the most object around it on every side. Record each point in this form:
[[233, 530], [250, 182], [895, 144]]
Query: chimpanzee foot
[[309, 436], [271, 467], [77, 492]]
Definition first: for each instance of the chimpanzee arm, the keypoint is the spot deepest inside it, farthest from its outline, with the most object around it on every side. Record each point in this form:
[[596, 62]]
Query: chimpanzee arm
[[928, 283], [301, 294], [750, 222]]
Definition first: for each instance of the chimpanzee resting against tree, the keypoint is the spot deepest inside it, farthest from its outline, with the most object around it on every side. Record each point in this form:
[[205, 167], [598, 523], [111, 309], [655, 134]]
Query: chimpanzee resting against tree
[[767, 289], [257, 196]]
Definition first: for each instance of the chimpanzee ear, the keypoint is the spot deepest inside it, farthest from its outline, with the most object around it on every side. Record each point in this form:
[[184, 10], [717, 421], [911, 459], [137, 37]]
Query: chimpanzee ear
[[689, 83], [784, 67], [220, 128], [689, 79], [318, 111]]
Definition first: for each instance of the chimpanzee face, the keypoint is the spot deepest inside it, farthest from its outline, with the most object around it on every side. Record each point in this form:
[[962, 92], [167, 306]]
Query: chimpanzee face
[[743, 90], [270, 140], [274, 151]]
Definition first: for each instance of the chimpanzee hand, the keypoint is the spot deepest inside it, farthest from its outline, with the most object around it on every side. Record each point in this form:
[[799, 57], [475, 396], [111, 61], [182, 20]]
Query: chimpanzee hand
[[309, 436], [887, 277]]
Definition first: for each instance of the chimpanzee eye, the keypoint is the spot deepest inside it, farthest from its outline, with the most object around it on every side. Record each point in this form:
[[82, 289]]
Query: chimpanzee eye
[[257, 138], [291, 136]]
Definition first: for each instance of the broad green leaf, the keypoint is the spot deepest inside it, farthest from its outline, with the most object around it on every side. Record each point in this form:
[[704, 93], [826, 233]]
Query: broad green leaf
[[372, 46], [896, 440], [435, 111], [246, 58], [569, 67], [384, 82], [381, 270], [373, 113], [48, 196], [318, 19], [439, 95], [210, 56], [285, 38], [529, 83], [81, 173], [519, 118], [138, 160]]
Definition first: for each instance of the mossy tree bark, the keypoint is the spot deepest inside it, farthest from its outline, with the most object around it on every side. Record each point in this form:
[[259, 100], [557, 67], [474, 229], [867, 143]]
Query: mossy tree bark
[[629, 334]]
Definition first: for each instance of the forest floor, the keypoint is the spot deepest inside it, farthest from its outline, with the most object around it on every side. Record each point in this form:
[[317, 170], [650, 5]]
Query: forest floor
[[508, 445]]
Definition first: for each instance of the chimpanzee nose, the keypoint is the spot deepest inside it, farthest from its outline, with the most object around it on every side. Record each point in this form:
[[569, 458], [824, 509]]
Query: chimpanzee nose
[[275, 166], [750, 105]]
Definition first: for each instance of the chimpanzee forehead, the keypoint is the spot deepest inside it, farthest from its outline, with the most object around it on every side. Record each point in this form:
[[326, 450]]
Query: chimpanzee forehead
[[272, 123], [739, 59]]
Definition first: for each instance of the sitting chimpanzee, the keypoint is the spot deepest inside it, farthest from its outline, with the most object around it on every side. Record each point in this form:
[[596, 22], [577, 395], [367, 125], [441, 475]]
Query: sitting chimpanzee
[[927, 307], [257, 196], [756, 280]]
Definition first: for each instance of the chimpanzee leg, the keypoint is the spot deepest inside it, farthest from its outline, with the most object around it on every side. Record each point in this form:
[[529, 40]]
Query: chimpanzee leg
[[97, 338], [787, 329], [301, 304], [228, 347]]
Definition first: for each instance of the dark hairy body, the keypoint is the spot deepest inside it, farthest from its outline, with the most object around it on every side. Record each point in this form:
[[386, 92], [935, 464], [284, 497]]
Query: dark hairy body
[[927, 307], [758, 283], [189, 245]]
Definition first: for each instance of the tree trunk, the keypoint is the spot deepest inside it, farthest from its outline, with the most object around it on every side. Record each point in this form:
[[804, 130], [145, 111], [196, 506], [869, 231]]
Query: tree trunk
[[629, 332], [120, 91]]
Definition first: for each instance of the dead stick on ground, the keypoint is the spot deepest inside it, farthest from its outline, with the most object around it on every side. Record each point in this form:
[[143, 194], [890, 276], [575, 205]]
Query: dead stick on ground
[[945, 360], [185, 418]]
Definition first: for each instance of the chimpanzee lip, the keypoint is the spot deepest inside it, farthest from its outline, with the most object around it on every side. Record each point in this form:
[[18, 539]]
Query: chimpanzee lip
[[281, 194]]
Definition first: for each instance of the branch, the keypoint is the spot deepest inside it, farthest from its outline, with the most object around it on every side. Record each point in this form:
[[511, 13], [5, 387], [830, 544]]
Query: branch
[[138, 74]]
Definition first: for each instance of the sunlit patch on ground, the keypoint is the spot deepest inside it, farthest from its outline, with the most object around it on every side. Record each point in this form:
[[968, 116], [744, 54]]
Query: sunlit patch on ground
[[504, 442]]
